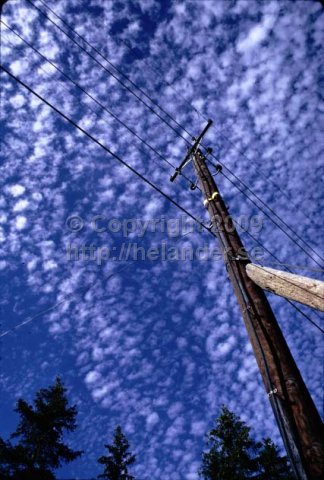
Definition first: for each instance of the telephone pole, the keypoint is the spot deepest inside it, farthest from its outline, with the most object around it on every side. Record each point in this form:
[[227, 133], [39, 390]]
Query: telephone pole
[[298, 419]]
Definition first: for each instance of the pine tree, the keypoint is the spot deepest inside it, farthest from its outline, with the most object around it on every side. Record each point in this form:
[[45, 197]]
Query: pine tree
[[39, 447], [117, 463], [231, 454], [234, 455], [271, 465]]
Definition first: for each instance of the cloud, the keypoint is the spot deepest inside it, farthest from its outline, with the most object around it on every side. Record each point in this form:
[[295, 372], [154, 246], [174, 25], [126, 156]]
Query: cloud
[[155, 346], [17, 190]]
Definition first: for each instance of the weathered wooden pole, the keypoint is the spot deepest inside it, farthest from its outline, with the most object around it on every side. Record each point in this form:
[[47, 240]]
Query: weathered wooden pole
[[299, 422], [295, 287]]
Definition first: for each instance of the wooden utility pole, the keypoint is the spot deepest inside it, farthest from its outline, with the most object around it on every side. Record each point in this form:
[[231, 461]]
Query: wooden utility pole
[[295, 287], [298, 419]]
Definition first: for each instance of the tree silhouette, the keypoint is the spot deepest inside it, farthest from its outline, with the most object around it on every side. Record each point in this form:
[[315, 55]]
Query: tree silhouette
[[231, 450], [271, 465], [117, 463], [234, 455], [40, 449]]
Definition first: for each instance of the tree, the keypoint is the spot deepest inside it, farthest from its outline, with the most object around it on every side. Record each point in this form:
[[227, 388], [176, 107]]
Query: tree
[[271, 465], [117, 463], [231, 450], [40, 449], [234, 455]]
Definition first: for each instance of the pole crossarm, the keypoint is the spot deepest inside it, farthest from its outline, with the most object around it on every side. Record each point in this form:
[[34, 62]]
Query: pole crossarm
[[187, 158], [298, 419], [307, 291]]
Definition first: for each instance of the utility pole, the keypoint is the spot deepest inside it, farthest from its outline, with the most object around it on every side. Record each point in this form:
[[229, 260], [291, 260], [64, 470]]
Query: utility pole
[[298, 419]]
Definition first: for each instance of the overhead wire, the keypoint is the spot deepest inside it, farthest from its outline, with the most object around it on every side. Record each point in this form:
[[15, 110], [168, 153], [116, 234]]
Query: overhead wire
[[274, 400], [117, 118], [199, 112], [125, 124], [268, 216], [114, 66], [168, 124], [110, 72], [113, 154], [104, 147], [89, 95], [277, 410]]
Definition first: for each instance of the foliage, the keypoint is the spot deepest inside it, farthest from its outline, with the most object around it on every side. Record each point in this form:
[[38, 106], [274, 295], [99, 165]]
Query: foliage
[[39, 448], [271, 465], [117, 463], [234, 455]]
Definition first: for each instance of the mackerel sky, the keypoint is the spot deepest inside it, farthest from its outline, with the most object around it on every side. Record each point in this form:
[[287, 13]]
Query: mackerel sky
[[156, 345]]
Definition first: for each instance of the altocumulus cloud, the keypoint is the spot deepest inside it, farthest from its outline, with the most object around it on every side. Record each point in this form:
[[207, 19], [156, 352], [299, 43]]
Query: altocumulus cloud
[[158, 346]]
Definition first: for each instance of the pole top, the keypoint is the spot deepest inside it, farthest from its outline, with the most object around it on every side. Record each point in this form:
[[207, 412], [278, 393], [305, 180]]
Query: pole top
[[190, 151]]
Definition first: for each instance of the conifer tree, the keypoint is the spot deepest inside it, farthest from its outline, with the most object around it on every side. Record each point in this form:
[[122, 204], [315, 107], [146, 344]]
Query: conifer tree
[[117, 463], [234, 455], [271, 465], [231, 454], [39, 448]]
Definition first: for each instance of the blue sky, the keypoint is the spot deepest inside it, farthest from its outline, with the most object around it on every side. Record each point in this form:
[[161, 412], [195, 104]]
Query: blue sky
[[159, 345]]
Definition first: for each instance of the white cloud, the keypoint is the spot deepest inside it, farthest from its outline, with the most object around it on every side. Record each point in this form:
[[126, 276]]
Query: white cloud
[[21, 222], [20, 205], [17, 101], [17, 190], [92, 377], [152, 420]]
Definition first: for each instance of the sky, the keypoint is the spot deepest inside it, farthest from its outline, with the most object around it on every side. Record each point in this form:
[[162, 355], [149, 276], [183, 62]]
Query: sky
[[154, 343]]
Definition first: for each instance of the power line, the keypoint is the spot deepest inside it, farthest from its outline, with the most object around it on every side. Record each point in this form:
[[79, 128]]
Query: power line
[[271, 219], [199, 112], [113, 154], [161, 118], [109, 72], [157, 72], [156, 104], [118, 158], [93, 99], [270, 209], [304, 314], [299, 267], [116, 68], [152, 148]]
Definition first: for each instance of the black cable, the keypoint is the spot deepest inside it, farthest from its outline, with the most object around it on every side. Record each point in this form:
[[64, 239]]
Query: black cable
[[153, 111], [277, 411], [264, 176], [117, 157], [156, 104], [304, 314], [288, 270], [158, 73], [169, 85], [94, 99], [273, 221], [110, 72], [116, 68], [267, 206], [102, 106]]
